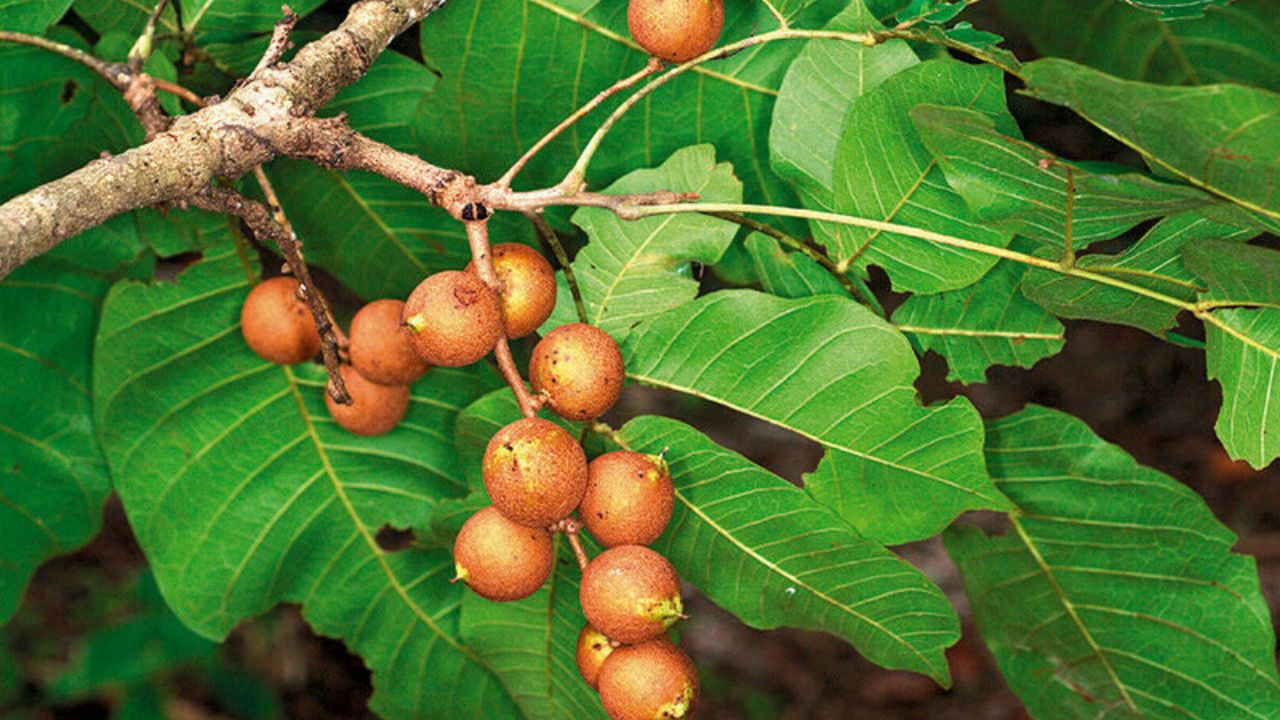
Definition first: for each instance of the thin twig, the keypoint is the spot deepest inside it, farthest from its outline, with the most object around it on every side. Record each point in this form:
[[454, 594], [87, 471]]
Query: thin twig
[[652, 67], [279, 43], [482, 259], [571, 527], [115, 73], [178, 90], [141, 49], [552, 240], [258, 218]]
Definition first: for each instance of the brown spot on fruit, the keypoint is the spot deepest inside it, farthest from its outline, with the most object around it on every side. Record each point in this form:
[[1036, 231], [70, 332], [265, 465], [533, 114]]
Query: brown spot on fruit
[[650, 681], [453, 318], [527, 287], [631, 594], [502, 560], [380, 346], [593, 649], [535, 472], [580, 369], [374, 410], [277, 325], [676, 30], [629, 498]]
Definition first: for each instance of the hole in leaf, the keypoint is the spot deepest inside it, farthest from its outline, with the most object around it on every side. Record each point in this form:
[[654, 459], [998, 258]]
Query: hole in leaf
[[69, 89], [393, 539]]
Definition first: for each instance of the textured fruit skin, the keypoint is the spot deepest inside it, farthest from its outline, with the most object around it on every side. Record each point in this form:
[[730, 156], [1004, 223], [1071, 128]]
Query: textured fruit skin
[[277, 325], [454, 319], [375, 409], [535, 472], [651, 681], [629, 498], [499, 559], [580, 369], [380, 347], [676, 30], [593, 649], [527, 287], [631, 594]]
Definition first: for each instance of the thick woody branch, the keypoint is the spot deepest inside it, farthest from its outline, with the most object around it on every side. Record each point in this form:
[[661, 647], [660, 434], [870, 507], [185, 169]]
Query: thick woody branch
[[226, 139], [264, 227]]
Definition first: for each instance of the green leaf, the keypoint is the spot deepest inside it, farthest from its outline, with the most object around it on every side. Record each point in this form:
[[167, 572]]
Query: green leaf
[[1235, 274], [204, 17], [764, 550], [788, 274], [512, 69], [379, 238], [1232, 43], [1116, 592], [1154, 262], [531, 644], [31, 16], [632, 269], [883, 171], [1170, 9], [244, 494], [1243, 344], [812, 107], [1022, 187], [1222, 138], [828, 369], [988, 323]]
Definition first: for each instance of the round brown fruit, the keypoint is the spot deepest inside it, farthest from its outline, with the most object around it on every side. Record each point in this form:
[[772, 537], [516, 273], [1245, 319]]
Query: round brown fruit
[[593, 649], [380, 347], [499, 559], [651, 681], [535, 472], [527, 287], [676, 30], [454, 319], [375, 409], [277, 324], [629, 498], [580, 369], [631, 594]]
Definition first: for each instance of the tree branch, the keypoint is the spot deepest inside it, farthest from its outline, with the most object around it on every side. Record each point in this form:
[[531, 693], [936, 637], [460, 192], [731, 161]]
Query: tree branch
[[225, 139]]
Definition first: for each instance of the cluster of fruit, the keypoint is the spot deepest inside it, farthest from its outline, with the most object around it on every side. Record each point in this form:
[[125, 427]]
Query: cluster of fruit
[[535, 472]]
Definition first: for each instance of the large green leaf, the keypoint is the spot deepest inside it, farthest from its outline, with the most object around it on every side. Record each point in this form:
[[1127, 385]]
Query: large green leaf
[[377, 237], [1020, 186], [505, 82], [829, 369], [819, 88], [1223, 138], [1116, 593], [632, 269], [1235, 42], [31, 16], [764, 550], [884, 171], [1153, 263], [1243, 343], [244, 494], [988, 323]]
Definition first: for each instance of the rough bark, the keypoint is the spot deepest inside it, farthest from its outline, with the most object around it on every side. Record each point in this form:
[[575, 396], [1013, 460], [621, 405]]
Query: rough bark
[[225, 139]]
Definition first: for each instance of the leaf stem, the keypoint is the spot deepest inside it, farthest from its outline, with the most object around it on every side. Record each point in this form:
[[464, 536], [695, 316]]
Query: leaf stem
[[552, 240]]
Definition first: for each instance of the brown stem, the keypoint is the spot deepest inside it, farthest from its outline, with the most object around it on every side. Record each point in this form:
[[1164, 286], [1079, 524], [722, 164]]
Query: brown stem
[[482, 259], [552, 240], [258, 218], [571, 527], [176, 89], [279, 43], [115, 73], [653, 66]]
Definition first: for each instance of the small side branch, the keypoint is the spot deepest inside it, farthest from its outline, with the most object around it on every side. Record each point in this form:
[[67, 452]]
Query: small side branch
[[279, 43], [552, 240], [258, 218]]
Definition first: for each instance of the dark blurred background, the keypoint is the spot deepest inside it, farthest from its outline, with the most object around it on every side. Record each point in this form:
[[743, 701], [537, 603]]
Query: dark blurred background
[[92, 639]]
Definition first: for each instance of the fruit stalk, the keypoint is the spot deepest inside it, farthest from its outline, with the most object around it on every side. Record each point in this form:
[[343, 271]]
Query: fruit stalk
[[482, 258]]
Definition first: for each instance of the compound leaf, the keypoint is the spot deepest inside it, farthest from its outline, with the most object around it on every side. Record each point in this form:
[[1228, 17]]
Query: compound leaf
[[1116, 591]]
